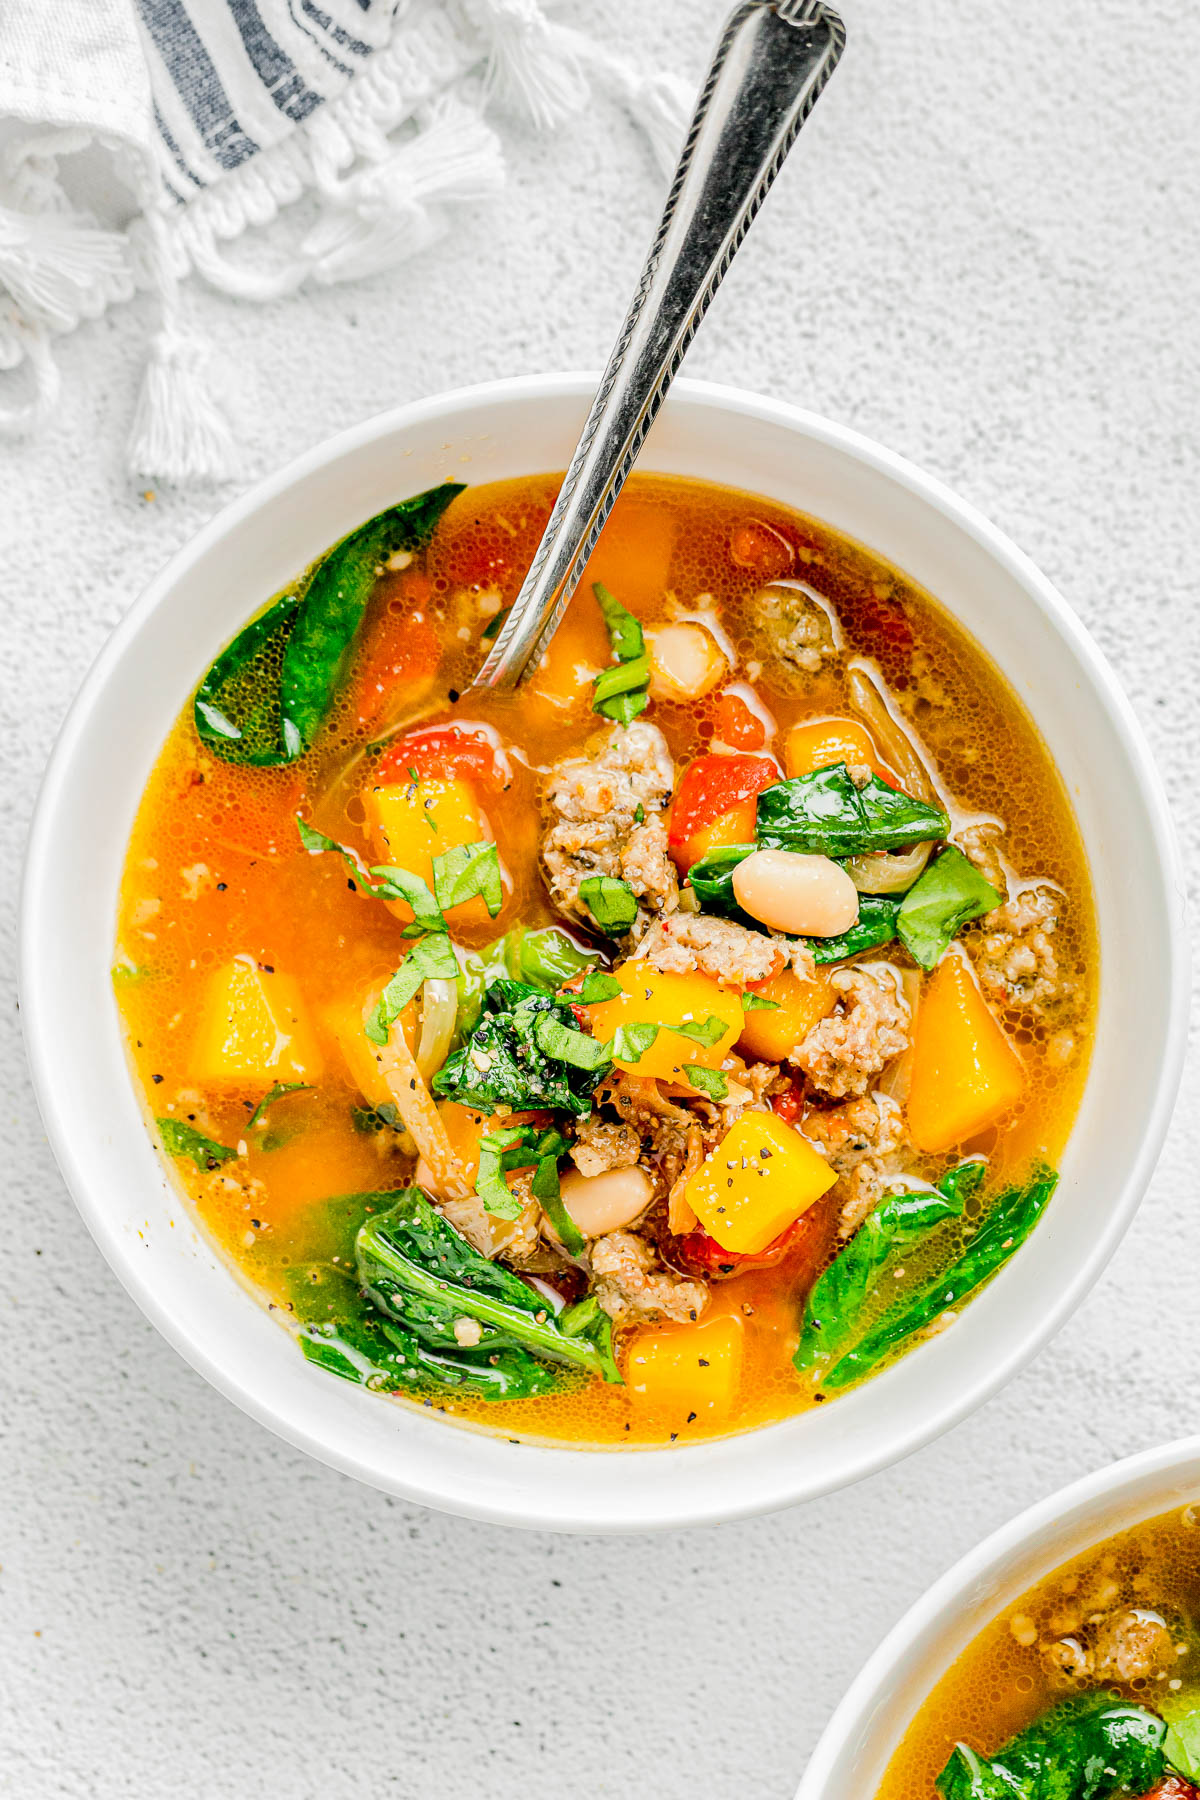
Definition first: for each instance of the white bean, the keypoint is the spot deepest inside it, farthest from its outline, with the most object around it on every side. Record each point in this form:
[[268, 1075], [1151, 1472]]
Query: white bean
[[685, 662], [603, 1203], [808, 895]]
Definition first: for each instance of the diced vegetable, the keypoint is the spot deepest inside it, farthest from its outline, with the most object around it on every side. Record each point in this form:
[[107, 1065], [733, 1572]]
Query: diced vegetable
[[687, 1372], [685, 661], [965, 1072], [650, 998], [1006, 1224], [1091, 1747], [422, 1273], [412, 822], [824, 813], [822, 743], [837, 1304], [737, 725], [762, 548], [934, 910], [181, 1139], [711, 788], [760, 1177], [254, 1029], [770, 1034], [443, 753], [344, 1021], [620, 692]]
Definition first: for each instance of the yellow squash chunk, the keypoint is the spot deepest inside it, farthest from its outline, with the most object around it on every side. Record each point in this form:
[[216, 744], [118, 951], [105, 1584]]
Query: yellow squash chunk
[[344, 1022], [771, 1035], [761, 1177], [651, 998], [685, 1369], [965, 1073], [411, 822], [254, 1030], [816, 743]]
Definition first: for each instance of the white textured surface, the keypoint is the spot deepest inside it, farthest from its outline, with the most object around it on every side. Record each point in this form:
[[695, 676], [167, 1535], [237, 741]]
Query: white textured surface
[[985, 255]]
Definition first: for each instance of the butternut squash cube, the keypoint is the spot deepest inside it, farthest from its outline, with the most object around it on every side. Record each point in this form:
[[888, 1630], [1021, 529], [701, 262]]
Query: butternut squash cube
[[651, 998], [685, 1369], [771, 1034], [758, 1180], [965, 1073], [344, 1022], [254, 1029], [816, 743], [411, 822]]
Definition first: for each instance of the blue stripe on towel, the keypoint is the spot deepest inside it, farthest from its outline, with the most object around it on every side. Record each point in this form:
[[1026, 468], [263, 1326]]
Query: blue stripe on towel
[[340, 36], [274, 68], [196, 81]]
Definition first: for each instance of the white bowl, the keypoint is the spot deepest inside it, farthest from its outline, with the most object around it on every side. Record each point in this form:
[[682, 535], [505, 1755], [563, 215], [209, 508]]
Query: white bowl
[[857, 1744], [94, 1119]]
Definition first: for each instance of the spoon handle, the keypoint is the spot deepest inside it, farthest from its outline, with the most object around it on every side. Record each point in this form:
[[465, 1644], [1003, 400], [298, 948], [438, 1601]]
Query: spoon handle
[[772, 61]]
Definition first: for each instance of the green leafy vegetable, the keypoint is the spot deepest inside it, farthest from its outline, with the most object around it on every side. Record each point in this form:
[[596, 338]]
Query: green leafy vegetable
[[631, 1042], [500, 1151], [1006, 1224], [597, 986], [265, 695], [940, 902], [758, 1003], [838, 1299], [1090, 1748], [712, 881], [465, 871], [333, 606], [588, 1318], [494, 626], [565, 1044], [272, 1095], [376, 1118], [621, 693], [1182, 1744], [712, 878], [424, 1275], [709, 1081], [548, 1194], [825, 814], [391, 884], [431, 958], [505, 1062], [610, 901], [875, 925], [545, 960], [181, 1139], [708, 1031]]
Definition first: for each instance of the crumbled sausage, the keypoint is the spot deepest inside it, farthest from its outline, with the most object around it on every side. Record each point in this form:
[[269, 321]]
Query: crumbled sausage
[[843, 1053], [599, 807], [1014, 956], [1132, 1645], [599, 1147], [719, 948], [980, 843], [861, 1140], [796, 625], [630, 1281]]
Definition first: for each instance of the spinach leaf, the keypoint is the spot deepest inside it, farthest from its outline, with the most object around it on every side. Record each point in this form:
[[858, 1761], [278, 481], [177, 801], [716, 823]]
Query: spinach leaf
[[392, 884], [545, 960], [419, 1271], [875, 925], [1006, 1224], [825, 814], [333, 606], [712, 881], [610, 901], [236, 709], [181, 1139], [512, 1056], [833, 1312], [431, 958], [465, 871], [621, 692], [272, 1095], [548, 1194], [712, 878], [588, 1317], [940, 902], [1089, 1748], [1182, 1745], [709, 1081]]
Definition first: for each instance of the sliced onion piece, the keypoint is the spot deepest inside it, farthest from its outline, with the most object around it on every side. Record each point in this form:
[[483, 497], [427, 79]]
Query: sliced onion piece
[[897, 1077], [867, 696], [888, 871], [439, 1013], [415, 1105]]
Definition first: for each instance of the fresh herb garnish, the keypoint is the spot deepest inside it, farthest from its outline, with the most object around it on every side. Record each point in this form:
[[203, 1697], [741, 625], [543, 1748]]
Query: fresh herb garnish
[[707, 1031], [709, 1081], [507, 1062], [272, 1095], [382, 882], [1181, 1745], [940, 902], [758, 1003], [376, 1118], [610, 901], [431, 958], [181, 1139], [494, 626], [621, 692], [468, 870], [631, 1042], [823, 813], [566, 1044], [597, 986]]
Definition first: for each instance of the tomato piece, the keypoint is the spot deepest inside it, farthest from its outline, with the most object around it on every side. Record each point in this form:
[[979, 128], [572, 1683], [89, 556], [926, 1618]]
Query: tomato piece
[[712, 786], [757, 546], [402, 649], [789, 1105], [699, 1254], [447, 753], [493, 552], [736, 725], [884, 625]]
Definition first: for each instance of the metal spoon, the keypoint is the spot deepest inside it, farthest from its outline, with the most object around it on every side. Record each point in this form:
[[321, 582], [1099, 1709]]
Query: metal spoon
[[772, 61]]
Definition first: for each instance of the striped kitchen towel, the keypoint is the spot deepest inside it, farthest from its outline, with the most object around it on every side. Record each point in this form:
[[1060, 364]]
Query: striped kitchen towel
[[216, 117]]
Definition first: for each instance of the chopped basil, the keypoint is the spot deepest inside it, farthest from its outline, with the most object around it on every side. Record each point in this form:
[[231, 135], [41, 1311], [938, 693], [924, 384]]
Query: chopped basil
[[276, 1093], [597, 986], [376, 1118], [631, 1042], [494, 625], [610, 901], [758, 1003], [496, 1153], [940, 902], [621, 692], [562, 1043], [181, 1139], [392, 884], [468, 870], [548, 1194], [431, 958], [709, 1081], [708, 1031]]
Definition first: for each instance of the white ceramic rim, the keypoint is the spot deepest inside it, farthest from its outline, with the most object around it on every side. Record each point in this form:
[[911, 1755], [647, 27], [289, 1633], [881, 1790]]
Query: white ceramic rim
[[684, 1507], [1138, 1484]]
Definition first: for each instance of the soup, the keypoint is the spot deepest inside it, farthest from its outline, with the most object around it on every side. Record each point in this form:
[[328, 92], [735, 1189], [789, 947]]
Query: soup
[[1089, 1684], [649, 1054]]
